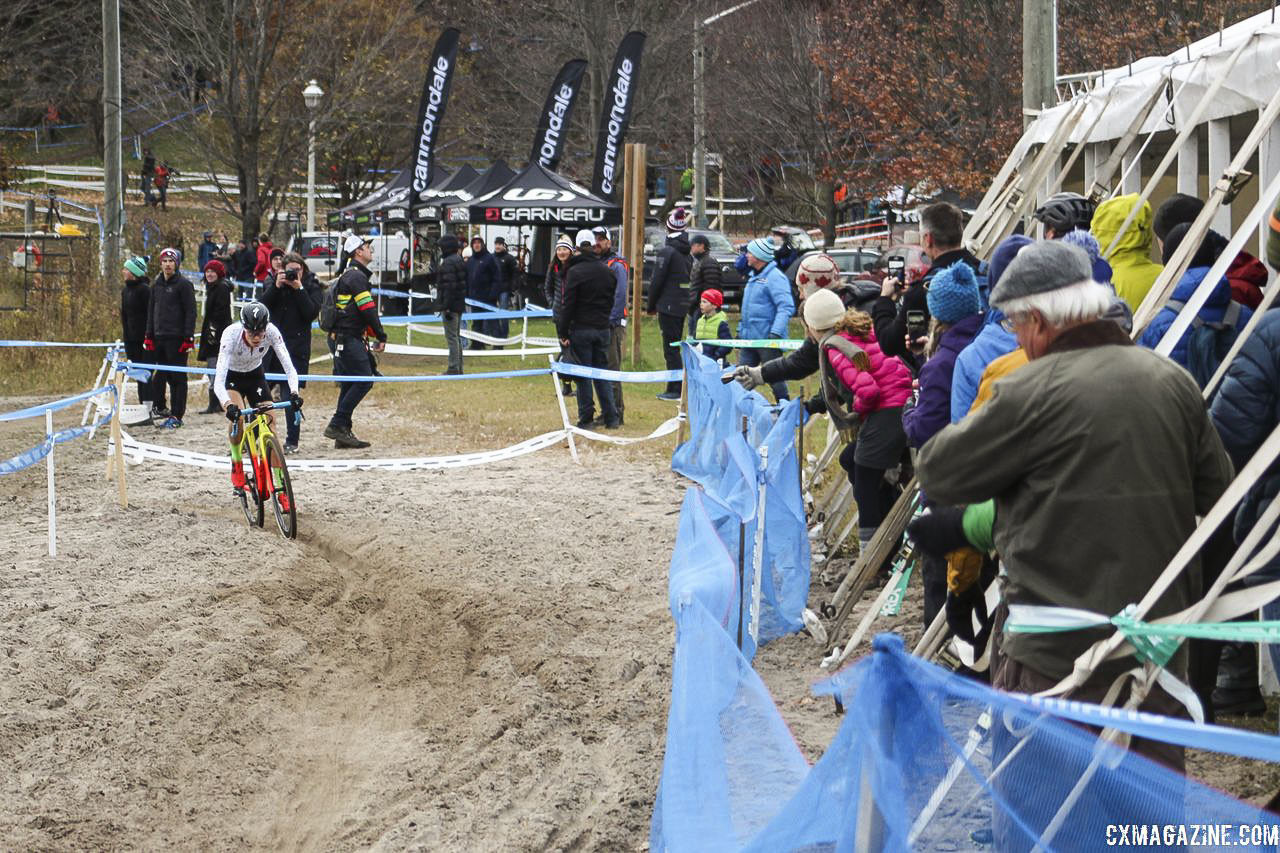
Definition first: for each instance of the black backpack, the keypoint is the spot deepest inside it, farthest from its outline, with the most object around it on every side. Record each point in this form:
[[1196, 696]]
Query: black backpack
[[328, 308], [1209, 343]]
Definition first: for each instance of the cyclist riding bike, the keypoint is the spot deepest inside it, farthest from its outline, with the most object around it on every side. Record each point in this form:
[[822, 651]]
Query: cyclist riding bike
[[240, 381]]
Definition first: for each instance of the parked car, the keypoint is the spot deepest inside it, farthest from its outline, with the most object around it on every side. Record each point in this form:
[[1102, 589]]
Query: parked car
[[721, 250], [319, 248], [852, 262], [321, 251]]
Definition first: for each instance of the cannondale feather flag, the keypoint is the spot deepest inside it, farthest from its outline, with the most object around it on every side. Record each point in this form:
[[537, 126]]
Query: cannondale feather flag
[[618, 100], [553, 124], [435, 96]]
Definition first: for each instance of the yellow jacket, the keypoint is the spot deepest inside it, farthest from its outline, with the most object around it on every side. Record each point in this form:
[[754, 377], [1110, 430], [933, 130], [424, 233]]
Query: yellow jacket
[[1133, 271], [998, 369]]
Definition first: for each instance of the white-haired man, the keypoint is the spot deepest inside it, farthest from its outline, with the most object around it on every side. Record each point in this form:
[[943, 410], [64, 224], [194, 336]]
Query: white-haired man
[[1099, 456]]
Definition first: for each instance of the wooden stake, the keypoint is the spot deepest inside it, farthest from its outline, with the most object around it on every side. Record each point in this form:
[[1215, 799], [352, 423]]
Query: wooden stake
[[118, 457]]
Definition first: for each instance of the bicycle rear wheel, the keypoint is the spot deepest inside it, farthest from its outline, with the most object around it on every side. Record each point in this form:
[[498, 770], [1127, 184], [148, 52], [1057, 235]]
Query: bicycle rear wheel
[[250, 499], [282, 503]]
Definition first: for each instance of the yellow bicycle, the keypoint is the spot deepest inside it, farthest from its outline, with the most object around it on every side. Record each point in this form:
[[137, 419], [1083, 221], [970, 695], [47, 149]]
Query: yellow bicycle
[[266, 477]]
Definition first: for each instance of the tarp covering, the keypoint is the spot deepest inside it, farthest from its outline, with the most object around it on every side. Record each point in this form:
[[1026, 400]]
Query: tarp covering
[[442, 191], [1121, 92], [537, 196], [454, 205]]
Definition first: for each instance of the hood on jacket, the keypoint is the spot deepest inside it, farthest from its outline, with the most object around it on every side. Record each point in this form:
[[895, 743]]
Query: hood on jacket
[[1219, 298], [1248, 270], [680, 243], [1111, 214]]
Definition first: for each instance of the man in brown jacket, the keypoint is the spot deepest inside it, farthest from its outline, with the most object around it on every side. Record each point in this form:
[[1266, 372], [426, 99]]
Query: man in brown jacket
[[1099, 456]]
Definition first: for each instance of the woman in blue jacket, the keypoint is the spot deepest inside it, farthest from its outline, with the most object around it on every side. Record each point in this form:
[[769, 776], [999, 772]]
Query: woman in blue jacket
[[767, 307]]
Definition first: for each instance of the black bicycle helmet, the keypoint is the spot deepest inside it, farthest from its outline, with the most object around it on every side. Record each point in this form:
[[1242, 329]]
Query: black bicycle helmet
[[255, 317], [1065, 212]]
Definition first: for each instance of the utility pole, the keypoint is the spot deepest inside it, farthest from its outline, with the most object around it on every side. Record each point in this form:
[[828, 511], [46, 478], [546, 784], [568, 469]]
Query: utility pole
[[1039, 57], [112, 170], [699, 132]]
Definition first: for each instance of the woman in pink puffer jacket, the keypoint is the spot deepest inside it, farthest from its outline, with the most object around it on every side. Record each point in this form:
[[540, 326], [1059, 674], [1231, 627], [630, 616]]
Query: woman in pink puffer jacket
[[871, 386]]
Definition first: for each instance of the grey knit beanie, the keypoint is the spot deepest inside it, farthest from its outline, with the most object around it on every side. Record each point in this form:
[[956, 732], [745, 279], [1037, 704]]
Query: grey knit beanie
[[1041, 268]]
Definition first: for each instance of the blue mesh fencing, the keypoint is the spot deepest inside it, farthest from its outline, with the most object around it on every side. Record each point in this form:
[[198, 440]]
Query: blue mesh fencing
[[725, 461], [923, 759]]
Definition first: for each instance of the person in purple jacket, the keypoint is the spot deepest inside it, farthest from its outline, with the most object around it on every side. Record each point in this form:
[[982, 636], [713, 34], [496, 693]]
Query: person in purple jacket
[[956, 309]]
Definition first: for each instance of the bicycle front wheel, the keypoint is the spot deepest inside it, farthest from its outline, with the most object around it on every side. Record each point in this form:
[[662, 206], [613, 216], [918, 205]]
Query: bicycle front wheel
[[282, 503]]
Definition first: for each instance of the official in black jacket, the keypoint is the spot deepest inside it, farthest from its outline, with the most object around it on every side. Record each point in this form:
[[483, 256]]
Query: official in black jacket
[[171, 328], [704, 274], [509, 268], [135, 300], [357, 319], [584, 326], [451, 289], [293, 298], [669, 294], [217, 316]]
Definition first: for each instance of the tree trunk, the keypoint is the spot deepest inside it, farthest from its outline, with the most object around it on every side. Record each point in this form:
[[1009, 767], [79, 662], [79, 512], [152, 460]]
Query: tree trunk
[[828, 190]]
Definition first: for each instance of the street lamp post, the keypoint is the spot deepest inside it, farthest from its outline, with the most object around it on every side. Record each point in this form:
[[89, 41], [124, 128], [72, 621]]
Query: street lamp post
[[700, 114], [311, 95]]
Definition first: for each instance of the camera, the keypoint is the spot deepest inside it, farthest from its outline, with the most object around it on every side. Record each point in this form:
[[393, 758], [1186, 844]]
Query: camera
[[291, 275]]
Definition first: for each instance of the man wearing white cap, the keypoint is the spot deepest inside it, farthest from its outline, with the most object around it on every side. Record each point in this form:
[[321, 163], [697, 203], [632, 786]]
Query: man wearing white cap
[[357, 320], [617, 317], [583, 326], [767, 307]]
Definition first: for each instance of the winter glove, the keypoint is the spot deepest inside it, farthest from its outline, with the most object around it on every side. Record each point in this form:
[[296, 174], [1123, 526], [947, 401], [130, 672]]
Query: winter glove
[[815, 405], [186, 345], [233, 412], [964, 566], [447, 316], [749, 377], [939, 531], [296, 400], [148, 345], [961, 608]]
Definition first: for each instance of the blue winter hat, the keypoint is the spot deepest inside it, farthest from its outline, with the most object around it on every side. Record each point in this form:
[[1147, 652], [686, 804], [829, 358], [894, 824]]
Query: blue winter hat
[[137, 265], [1085, 240], [762, 248], [953, 294], [1005, 252]]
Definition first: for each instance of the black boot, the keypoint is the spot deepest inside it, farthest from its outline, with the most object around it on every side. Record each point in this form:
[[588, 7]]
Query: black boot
[[1237, 692]]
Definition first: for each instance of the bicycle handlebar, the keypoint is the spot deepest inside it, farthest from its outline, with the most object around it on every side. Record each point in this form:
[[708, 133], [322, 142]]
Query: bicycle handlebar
[[283, 404]]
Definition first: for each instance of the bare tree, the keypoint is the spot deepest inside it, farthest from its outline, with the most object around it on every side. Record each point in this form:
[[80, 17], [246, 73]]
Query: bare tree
[[248, 60]]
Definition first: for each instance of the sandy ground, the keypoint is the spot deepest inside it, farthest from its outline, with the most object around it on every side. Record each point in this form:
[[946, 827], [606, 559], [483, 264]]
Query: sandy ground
[[471, 659]]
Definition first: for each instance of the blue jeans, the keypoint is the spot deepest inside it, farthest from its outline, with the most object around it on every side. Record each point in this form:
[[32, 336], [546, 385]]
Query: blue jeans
[[350, 358], [591, 348], [753, 357]]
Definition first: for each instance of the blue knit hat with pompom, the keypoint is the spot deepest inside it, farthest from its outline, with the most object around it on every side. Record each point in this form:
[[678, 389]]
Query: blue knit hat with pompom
[[953, 294]]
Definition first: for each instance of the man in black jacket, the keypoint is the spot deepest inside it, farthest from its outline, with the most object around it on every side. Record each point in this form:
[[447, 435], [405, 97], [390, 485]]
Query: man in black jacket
[[451, 290], [171, 329], [217, 316], [941, 233], [243, 260], [483, 279], [357, 319], [584, 326], [509, 268], [704, 274], [294, 302], [135, 300], [669, 293]]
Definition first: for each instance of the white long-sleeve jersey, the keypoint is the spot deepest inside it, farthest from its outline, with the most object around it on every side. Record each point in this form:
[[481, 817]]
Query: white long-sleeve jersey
[[234, 353]]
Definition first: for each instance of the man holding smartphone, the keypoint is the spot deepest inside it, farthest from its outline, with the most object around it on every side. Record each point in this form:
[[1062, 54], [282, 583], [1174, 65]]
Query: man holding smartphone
[[357, 319], [901, 314]]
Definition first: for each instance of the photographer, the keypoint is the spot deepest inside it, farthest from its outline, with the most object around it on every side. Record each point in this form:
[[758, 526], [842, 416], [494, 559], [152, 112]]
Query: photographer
[[901, 314], [293, 297]]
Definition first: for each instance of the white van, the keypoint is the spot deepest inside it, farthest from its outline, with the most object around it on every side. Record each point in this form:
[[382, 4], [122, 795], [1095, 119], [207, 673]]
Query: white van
[[322, 252]]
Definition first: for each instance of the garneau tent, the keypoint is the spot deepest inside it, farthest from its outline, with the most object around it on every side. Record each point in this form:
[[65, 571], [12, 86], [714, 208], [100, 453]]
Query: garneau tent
[[453, 207], [430, 207], [393, 193], [537, 196]]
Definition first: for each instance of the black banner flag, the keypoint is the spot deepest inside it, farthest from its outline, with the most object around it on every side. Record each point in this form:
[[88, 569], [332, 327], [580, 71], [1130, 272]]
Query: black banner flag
[[553, 124], [618, 99], [435, 96]]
